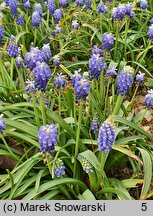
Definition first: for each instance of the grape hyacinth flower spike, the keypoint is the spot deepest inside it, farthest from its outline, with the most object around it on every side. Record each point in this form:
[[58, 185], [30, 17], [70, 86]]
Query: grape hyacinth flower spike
[[88, 4], [42, 74], [112, 70], [2, 124], [150, 32], [27, 5], [95, 123], [46, 53], [76, 77], [143, 4], [60, 80], [20, 20], [59, 168], [124, 80], [38, 8], [56, 60], [47, 137], [106, 137], [107, 41], [58, 14], [19, 61], [151, 21], [32, 57], [82, 87], [79, 2], [63, 3], [149, 99], [1, 33], [12, 48], [96, 50], [140, 77], [36, 19], [30, 86], [101, 8], [51, 6], [13, 5], [96, 64]]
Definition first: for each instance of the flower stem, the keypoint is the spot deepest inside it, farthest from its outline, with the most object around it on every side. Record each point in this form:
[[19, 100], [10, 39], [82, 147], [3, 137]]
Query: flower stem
[[133, 97], [35, 111], [118, 104], [106, 96], [126, 33], [116, 41], [59, 110], [43, 109], [12, 67], [78, 138], [103, 158], [35, 36]]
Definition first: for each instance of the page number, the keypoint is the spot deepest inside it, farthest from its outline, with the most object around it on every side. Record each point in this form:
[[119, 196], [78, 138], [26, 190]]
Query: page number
[[144, 206]]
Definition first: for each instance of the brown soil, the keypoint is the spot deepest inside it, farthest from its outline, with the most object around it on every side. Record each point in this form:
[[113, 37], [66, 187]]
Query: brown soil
[[147, 122]]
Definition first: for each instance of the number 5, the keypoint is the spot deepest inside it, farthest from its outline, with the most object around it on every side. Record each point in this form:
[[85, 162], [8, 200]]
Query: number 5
[[144, 206]]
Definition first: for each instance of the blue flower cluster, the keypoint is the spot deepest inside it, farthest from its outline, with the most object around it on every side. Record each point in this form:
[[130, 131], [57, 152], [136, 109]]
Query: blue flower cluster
[[101, 8], [107, 41], [63, 3], [124, 80], [20, 20], [143, 4], [27, 5], [32, 57], [35, 55], [112, 70], [38, 8], [82, 87], [19, 61], [36, 19], [151, 21], [88, 4], [2, 124], [96, 50], [60, 80], [59, 168], [95, 123], [81, 84], [51, 6], [140, 77], [96, 64], [149, 98], [56, 60], [1, 33], [86, 165], [76, 77], [12, 48], [13, 5], [42, 74], [30, 86], [106, 137], [47, 137], [46, 53], [79, 2], [122, 10], [58, 14], [150, 32]]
